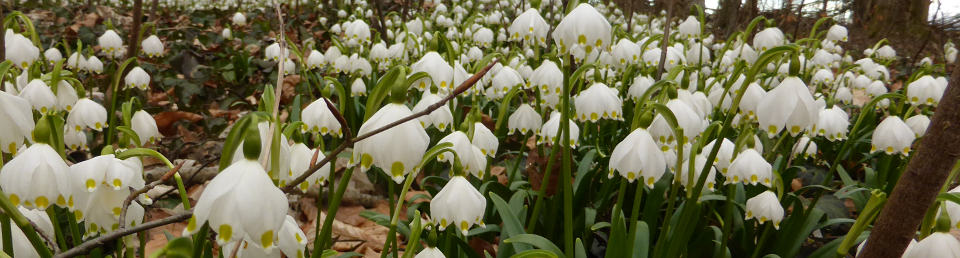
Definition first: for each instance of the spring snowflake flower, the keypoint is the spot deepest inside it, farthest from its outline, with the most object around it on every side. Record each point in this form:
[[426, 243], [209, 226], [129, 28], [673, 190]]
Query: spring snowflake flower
[[524, 119], [550, 129], [788, 105], [396, 151], [547, 77], [152, 46], [20, 50], [765, 207], [66, 96], [639, 87], [837, 33], [892, 136], [40, 96], [938, 244], [314, 60], [471, 157], [919, 124], [598, 101], [137, 78], [768, 38], [529, 27], [87, 113], [832, 123], [441, 73], [37, 178], [750, 168], [458, 203], [699, 162], [18, 122], [318, 118], [440, 118], [101, 186], [145, 126], [804, 147], [300, 157], [239, 19], [74, 140], [92, 64], [583, 27], [924, 90], [110, 42], [638, 156], [53, 55], [429, 252]]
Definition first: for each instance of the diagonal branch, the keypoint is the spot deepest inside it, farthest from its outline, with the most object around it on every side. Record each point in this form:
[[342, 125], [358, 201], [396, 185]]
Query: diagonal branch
[[85, 247], [291, 186], [133, 195]]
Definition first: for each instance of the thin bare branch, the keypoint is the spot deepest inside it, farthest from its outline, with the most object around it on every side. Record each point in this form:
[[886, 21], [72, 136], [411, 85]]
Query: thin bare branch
[[85, 247], [133, 195]]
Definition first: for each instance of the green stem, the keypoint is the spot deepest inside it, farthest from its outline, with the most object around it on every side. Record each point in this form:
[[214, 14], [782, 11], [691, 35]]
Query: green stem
[[634, 215], [199, 241], [516, 163], [182, 190], [395, 217], [52, 213], [7, 238], [728, 219], [565, 167], [324, 237], [762, 240], [75, 229]]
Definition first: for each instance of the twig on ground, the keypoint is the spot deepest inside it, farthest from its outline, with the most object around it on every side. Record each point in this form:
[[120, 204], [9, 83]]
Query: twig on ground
[[85, 247], [133, 195]]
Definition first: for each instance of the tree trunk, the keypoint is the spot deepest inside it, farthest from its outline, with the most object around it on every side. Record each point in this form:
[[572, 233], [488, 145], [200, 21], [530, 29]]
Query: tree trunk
[[134, 44], [726, 21], [881, 18], [921, 182]]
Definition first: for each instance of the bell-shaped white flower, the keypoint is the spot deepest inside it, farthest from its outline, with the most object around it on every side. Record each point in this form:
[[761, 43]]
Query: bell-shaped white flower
[[441, 73], [550, 130], [886, 53], [598, 101], [74, 140], [92, 64], [87, 113], [137, 78], [458, 203], [318, 118], [768, 38], [750, 168], [844, 95], [272, 52], [40, 96], [239, 19], [483, 37], [837, 33], [788, 105], [18, 122], [110, 42], [638, 156], [484, 139], [429, 252], [101, 186], [20, 50], [358, 88], [832, 123], [525, 119], [284, 156], [919, 124], [699, 162], [152, 46], [583, 27], [547, 77], [226, 33], [639, 87], [358, 31], [750, 100], [689, 28], [938, 244], [505, 80], [529, 27], [396, 151], [145, 126], [300, 158], [765, 207], [687, 118], [241, 202], [315, 59], [804, 147], [950, 54], [37, 177], [21, 244], [626, 52], [724, 154], [440, 118], [891, 136], [471, 157], [291, 238], [925, 90], [53, 55], [66, 96]]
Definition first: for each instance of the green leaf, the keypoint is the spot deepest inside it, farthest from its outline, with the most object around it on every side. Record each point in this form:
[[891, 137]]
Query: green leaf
[[641, 243], [953, 197], [537, 241], [511, 224], [580, 251], [234, 138], [176, 248], [535, 254]]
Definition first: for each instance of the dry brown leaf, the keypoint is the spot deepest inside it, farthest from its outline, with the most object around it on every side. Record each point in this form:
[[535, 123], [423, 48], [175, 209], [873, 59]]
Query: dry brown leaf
[[165, 120]]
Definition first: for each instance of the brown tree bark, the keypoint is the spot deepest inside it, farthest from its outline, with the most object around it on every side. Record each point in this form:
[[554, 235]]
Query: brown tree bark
[[133, 45], [880, 18], [921, 182], [726, 21]]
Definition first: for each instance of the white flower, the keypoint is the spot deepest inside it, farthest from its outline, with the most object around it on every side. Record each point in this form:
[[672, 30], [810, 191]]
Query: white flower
[[358, 88], [938, 244], [357, 31], [291, 239], [52, 55], [504, 81], [101, 185], [40, 96], [822, 76], [950, 54], [265, 158], [317, 117], [724, 154], [750, 168], [788, 105], [886, 53], [93, 64], [583, 27], [525, 119], [832, 123], [75, 140], [440, 118], [768, 38], [300, 157], [638, 156], [110, 42], [429, 252], [547, 77], [801, 148], [396, 151], [483, 37], [750, 99], [919, 124], [137, 78], [89, 114], [241, 202], [699, 162], [687, 118], [529, 27], [272, 52], [315, 59], [485, 140], [471, 157], [441, 73], [458, 203], [892, 136], [152, 46], [239, 19], [837, 33], [20, 50], [17, 122], [145, 126], [844, 95], [925, 90], [598, 101], [639, 87], [626, 52], [37, 177], [689, 28], [226, 33], [66, 96], [550, 129], [765, 207]]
